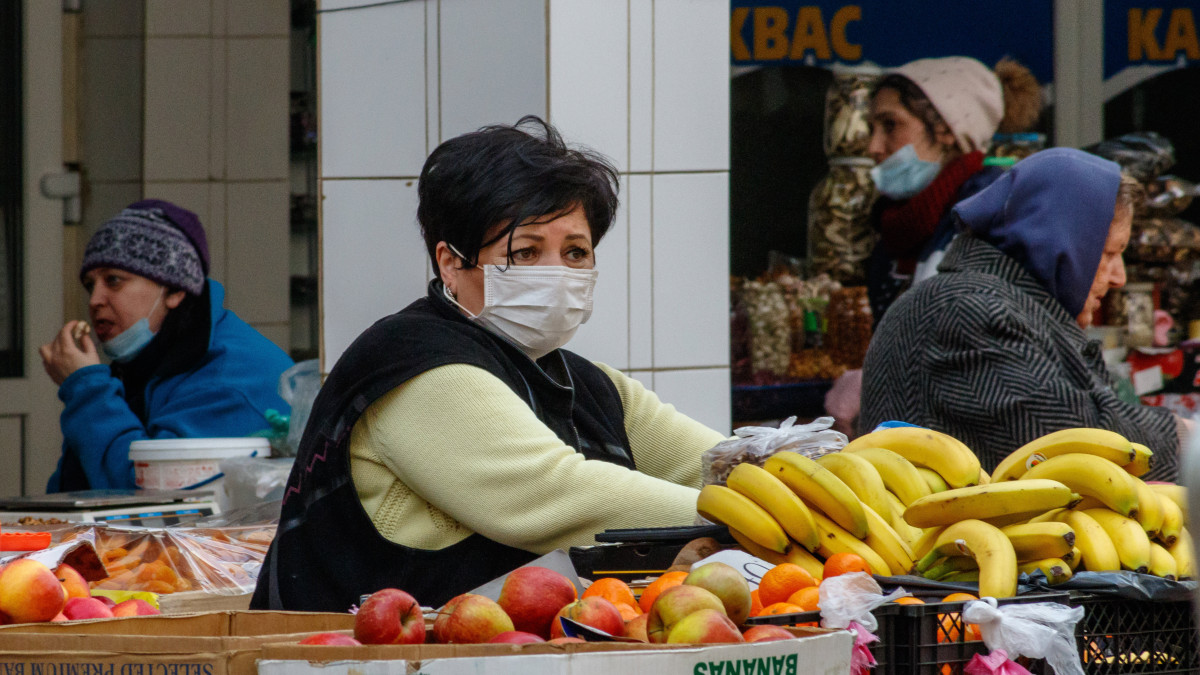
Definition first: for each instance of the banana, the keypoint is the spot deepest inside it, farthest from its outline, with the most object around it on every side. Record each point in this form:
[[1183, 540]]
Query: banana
[[899, 475], [943, 453], [1149, 513], [944, 566], [928, 538], [1098, 442], [1088, 503], [984, 477], [895, 518], [777, 499], [1036, 541], [1092, 476], [795, 553], [1172, 522], [1099, 553], [836, 539], [1162, 563], [723, 505], [987, 501], [1176, 493], [1073, 558], [1055, 569], [860, 476], [1141, 460], [1048, 516], [1184, 555], [887, 543], [819, 487], [965, 576], [1127, 535], [988, 546], [933, 479]]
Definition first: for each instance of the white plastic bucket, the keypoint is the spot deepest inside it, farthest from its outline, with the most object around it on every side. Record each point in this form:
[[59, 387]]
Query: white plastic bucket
[[186, 463]]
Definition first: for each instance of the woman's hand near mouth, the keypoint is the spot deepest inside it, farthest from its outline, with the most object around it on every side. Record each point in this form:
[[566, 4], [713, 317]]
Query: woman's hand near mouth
[[64, 355]]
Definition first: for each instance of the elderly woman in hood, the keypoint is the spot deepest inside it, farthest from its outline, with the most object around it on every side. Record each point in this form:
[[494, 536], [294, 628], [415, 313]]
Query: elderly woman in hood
[[992, 349]]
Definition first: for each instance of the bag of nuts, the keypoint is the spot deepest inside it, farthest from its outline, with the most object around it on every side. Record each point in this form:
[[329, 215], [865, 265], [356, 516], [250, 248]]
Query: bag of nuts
[[756, 444]]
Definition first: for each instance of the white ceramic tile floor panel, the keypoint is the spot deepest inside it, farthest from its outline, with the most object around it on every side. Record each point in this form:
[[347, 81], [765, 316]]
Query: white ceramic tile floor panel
[[258, 18], [691, 270], [589, 80], [372, 74], [702, 394], [178, 17], [373, 257], [691, 85]]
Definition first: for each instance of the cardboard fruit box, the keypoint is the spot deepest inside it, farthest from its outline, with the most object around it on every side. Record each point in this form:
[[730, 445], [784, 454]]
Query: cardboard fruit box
[[814, 651]]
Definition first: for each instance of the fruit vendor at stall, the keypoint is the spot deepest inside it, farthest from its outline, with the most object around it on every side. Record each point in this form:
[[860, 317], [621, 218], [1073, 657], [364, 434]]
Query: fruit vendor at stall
[[992, 350], [456, 440], [182, 365]]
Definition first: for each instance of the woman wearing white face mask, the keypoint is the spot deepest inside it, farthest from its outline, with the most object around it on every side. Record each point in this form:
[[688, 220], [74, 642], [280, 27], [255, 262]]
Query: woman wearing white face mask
[[456, 439], [182, 366]]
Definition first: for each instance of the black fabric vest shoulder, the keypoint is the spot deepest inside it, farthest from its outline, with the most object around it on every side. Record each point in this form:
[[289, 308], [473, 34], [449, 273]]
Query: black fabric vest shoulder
[[326, 552]]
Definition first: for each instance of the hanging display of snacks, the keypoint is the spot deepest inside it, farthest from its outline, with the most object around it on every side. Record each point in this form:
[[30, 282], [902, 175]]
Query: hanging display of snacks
[[839, 237], [849, 323]]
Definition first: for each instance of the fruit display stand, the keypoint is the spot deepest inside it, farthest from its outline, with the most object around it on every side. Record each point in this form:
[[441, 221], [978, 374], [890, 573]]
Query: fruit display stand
[[814, 651], [1118, 636]]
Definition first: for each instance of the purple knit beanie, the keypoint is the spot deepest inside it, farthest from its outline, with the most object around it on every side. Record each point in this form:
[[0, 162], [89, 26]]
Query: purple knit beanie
[[154, 239]]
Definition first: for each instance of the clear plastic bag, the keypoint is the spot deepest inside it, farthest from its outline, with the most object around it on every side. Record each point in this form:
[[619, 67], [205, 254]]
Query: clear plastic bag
[[298, 386], [1144, 154], [848, 598], [253, 480], [756, 444], [224, 561], [1038, 630]]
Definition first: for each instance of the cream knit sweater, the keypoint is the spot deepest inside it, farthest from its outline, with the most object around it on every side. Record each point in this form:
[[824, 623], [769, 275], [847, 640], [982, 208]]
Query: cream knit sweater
[[454, 451]]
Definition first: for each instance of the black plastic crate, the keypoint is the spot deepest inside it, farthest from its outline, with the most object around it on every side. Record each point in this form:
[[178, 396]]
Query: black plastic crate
[[1118, 636], [881, 650]]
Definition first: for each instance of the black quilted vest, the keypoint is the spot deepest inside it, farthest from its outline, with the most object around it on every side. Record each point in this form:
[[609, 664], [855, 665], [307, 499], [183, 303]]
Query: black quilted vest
[[326, 552]]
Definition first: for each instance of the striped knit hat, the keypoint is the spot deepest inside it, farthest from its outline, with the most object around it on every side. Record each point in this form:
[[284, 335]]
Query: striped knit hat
[[154, 239]]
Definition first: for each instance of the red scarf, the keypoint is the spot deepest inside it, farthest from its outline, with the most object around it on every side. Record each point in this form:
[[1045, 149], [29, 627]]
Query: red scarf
[[906, 226]]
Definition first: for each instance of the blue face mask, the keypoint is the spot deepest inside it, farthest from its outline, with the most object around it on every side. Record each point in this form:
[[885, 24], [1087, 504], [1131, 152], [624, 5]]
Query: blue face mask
[[132, 340], [904, 174]]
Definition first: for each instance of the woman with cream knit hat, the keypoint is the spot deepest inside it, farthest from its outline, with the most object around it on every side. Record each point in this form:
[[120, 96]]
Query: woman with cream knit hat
[[931, 121]]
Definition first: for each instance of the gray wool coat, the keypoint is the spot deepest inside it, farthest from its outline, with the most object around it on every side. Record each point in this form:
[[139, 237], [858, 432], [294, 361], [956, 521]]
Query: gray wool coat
[[985, 353]]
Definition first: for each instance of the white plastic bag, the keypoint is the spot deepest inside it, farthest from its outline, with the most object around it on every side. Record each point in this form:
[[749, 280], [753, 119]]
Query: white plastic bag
[[756, 444], [298, 386], [851, 597], [1038, 630]]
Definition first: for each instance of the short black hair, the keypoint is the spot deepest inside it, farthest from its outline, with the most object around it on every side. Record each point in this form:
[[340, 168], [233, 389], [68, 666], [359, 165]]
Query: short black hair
[[512, 174]]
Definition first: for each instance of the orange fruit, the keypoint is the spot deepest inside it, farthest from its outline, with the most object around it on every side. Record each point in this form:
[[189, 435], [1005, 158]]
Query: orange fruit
[[807, 598], [951, 622], [780, 608], [659, 585], [781, 581], [909, 600], [611, 589], [755, 603], [628, 612], [841, 563]]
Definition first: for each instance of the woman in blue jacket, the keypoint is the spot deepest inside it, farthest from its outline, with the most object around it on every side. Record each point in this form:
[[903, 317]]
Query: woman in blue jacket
[[182, 366]]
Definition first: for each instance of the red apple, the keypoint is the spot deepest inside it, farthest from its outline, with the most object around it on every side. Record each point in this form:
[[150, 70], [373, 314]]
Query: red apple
[[73, 581], [596, 612], [30, 592], [135, 607], [726, 583], [516, 637], [707, 626], [673, 605], [565, 640], [532, 596], [329, 639], [443, 615], [767, 633], [106, 600], [86, 608], [636, 628], [58, 618], [473, 619], [390, 616]]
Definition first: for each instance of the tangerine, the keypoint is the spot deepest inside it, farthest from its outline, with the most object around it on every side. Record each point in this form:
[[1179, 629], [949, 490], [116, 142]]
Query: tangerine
[[779, 582], [951, 622], [659, 585], [909, 600], [808, 599], [611, 589], [780, 608], [628, 612], [841, 563], [755, 603]]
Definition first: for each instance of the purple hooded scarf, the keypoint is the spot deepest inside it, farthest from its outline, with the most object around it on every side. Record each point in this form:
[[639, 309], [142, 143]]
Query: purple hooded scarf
[[1051, 213]]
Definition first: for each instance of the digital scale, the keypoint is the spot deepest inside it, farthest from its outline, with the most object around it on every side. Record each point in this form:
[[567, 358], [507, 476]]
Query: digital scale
[[146, 508]]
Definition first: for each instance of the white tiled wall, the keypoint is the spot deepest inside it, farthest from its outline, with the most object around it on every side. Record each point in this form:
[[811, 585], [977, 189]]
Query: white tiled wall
[[645, 82]]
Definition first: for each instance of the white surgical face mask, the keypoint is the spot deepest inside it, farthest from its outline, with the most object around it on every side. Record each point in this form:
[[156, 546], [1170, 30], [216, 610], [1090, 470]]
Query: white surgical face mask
[[537, 307], [904, 174], [132, 340]]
